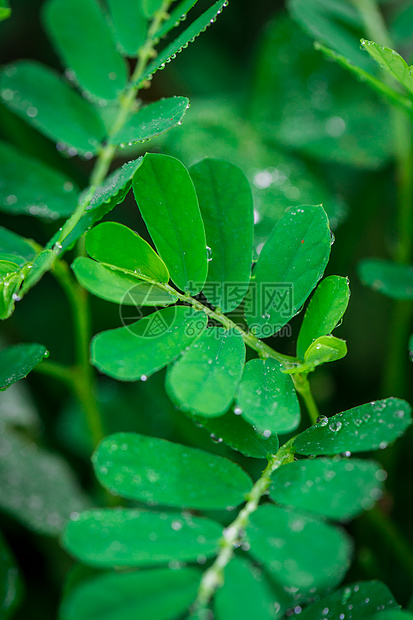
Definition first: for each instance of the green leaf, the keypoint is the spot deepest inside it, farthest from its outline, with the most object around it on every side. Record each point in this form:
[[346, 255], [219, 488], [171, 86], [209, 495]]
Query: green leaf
[[204, 380], [299, 551], [335, 22], [324, 312], [83, 40], [288, 268], [112, 192], [176, 15], [10, 585], [123, 537], [45, 192], [367, 427], [156, 471], [5, 10], [226, 205], [11, 279], [159, 594], [324, 349], [130, 25], [36, 487], [400, 23], [39, 267], [267, 398], [358, 600], [43, 99], [239, 435], [390, 93], [245, 594], [167, 201], [391, 279], [393, 614], [150, 7], [152, 120], [121, 247], [16, 362], [140, 349], [391, 62], [118, 286], [187, 36], [337, 489], [10, 243]]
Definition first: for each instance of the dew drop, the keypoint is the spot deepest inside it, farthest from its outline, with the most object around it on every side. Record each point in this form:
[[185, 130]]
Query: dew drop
[[335, 426]]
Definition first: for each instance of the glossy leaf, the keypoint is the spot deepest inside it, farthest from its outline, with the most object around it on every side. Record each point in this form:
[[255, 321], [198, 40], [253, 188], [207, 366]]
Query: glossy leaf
[[112, 192], [159, 594], [337, 489], [189, 34], [299, 551], [288, 268], [358, 600], [118, 286], [245, 594], [121, 247], [10, 243], [84, 42], [39, 267], [122, 537], [176, 15], [324, 349], [36, 487], [43, 99], [391, 279], [235, 432], [204, 380], [11, 278], [325, 310], [152, 120], [130, 25], [142, 348], [392, 63], [10, 585], [150, 7], [45, 192], [267, 398], [226, 205], [156, 471], [167, 201], [367, 427], [17, 361]]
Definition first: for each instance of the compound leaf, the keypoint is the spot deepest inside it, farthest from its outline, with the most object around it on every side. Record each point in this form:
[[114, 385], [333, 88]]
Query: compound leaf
[[167, 201], [391, 62], [325, 310], [189, 34], [142, 348], [235, 432], [366, 427], [267, 398], [121, 247], [130, 25], [43, 99], [45, 192], [226, 205], [84, 42], [17, 361], [158, 593], [123, 537], [118, 286], [204, 380], [157, 471], [335, 489], [36, 487], [299, 551], [245, 594], [152, 120], [391, 279], [358, 600], [295, 255]]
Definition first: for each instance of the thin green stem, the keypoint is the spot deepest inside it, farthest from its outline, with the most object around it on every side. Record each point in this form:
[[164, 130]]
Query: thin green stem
[[302, 385], [232, 535], [56, 371]]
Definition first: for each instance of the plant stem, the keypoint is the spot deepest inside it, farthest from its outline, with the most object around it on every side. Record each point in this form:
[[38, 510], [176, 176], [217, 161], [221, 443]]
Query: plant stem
[[302, 385], [213, 578], [394, 374], [56, 371]]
